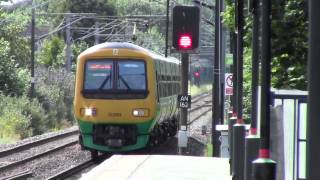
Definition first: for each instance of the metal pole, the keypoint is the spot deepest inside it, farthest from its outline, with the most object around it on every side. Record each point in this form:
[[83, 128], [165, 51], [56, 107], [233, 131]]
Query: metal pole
[[222, 42], [313, 122], [252, 141], [265, 77], [167, 29], [240, 58], [255, 66], [264, 168], [234, 70], [235, 62], [183, 111], [232, 121], [239, 130], [216, 84], [251, 153], [68, 39], [32, 50], [238, 141]]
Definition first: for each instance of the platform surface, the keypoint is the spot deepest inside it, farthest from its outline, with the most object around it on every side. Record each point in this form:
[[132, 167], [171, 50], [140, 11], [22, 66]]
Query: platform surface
[[160, 167]]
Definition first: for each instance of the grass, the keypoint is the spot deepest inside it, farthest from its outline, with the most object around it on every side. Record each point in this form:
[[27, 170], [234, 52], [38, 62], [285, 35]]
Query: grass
[[197, 90], [7, 140], [209, 150]]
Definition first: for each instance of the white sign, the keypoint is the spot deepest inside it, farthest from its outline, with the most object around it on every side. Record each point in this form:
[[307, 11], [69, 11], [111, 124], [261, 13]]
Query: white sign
[[228, 87]]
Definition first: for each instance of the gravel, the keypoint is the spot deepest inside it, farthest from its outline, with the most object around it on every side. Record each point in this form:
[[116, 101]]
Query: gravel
[[60, 161], [36, 138], [195, 128], [36, 150]]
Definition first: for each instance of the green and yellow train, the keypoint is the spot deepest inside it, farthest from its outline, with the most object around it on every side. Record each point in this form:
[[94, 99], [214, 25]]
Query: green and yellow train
[[125, 97]]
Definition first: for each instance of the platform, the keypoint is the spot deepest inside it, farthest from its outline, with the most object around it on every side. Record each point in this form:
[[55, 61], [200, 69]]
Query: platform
[[160, 167]]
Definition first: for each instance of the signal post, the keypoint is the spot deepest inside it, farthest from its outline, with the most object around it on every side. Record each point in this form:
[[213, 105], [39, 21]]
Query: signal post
[[185, 39]]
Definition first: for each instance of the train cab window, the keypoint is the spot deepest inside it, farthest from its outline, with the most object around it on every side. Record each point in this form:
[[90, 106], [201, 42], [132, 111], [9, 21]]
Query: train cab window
[[115, 79], [132, 75], [98, 75]]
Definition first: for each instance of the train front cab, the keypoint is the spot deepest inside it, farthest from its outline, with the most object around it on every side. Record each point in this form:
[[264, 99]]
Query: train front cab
[[113, 114]]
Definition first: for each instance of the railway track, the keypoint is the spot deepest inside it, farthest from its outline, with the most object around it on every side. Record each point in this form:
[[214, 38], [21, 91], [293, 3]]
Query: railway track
[[21, 175], [13, 158], [200, 115], [200, 96], [17, 163], [202, 103], [73, 170], [7, 152], [78, 168]]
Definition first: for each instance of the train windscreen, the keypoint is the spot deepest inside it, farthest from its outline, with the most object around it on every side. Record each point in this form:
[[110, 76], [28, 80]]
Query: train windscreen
[[98, 75], [132, 75], [107, 78]]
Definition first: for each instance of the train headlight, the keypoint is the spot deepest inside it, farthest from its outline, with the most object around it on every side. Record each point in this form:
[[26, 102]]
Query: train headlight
[[140, 112], [88, 111]]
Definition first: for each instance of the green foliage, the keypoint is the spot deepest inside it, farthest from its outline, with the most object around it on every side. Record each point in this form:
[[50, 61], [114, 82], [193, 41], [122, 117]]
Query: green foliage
[[20, 118], [13, 80], [51, 7], [209, 150], [77, 48], [228, 18], [55, 89], [289, 46], [289, 42], [139, 7], [52, 52], [151, 39], [197, 90], [12, 30], [100, 7], [247, 76]]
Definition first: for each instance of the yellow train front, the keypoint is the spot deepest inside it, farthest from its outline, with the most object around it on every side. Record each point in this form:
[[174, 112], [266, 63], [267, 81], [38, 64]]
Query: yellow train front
[[125, 97]]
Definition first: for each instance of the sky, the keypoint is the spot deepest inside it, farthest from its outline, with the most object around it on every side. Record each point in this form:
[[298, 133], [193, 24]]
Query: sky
[[10, 2]]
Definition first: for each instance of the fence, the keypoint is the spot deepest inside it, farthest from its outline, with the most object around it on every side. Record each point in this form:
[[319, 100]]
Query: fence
[[294, 105]]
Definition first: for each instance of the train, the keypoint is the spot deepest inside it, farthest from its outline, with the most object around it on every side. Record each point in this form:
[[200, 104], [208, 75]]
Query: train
[[125, 97]]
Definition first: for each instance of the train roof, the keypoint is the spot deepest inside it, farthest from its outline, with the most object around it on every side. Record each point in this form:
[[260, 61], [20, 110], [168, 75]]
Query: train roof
[[127, 45]]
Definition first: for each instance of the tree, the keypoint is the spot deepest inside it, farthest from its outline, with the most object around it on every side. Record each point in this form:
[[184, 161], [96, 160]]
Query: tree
[[140, 7], [13, 80], [52, 52], [289, 46], [152, 40], [289, 41], [12, 30]]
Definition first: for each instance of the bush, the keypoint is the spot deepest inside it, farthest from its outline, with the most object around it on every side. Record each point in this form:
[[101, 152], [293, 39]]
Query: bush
[[20, 118], [55, 89], [13, 80], [52, 52]]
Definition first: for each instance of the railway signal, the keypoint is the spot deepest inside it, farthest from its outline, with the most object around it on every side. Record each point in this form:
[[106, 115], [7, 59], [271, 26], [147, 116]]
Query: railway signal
[[185, 24]]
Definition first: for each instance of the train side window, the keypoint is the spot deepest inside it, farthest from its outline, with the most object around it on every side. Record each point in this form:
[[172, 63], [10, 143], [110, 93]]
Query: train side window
[[167, 88], [158, 88], [170, 72], [163, 87]]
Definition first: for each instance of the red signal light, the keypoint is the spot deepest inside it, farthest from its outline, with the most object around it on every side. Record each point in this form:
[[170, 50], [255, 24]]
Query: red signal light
[[197, 74], [185, 41]]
